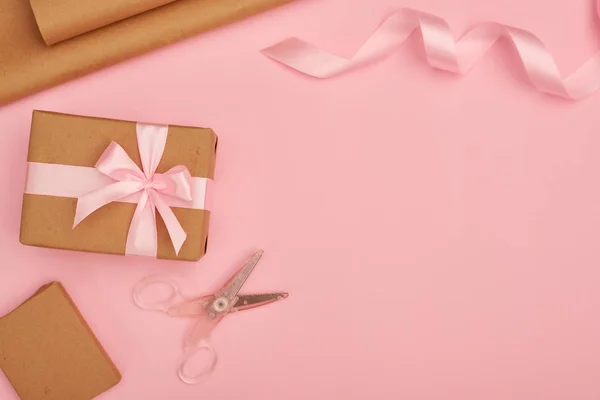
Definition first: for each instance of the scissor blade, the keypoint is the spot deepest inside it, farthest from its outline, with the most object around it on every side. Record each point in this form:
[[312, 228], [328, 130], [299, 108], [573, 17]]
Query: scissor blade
[[233, 286], [248, 301]]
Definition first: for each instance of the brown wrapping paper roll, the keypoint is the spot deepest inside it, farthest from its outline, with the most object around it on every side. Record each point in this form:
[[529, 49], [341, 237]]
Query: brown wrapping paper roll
[[60, 20], [28, 65]]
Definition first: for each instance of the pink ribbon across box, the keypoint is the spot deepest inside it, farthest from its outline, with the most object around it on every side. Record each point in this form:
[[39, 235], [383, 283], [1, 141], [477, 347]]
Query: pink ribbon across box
[[118, 187]]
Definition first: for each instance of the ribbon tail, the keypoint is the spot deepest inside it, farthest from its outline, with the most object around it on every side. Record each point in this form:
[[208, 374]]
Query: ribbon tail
[[142, 239], [314, 61], [176, 232], [91, 202]]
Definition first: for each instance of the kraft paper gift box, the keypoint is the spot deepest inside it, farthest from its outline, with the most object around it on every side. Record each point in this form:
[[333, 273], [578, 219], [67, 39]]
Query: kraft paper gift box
[[88, 187], [47, 42], [48, 351]]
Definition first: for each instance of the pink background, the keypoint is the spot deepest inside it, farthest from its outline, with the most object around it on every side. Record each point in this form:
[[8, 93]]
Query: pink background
[[438, 235]]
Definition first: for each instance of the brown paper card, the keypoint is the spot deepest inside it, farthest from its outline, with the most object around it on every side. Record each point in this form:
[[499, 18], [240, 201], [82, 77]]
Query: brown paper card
[[48, 351], [28, 65], [60, 20], [47, 221]]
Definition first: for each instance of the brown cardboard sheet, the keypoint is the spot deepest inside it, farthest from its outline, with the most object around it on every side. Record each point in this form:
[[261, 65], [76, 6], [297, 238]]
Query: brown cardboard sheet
[[28, 65], [48, 351], [60, 20], [47, 221]]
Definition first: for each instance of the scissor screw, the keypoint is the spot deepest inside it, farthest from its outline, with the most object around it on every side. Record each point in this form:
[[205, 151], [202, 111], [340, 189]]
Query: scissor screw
[[220, 304]]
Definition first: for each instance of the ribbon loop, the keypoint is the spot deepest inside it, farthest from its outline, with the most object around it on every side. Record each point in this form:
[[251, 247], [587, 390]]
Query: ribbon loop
[[176, 182], [116, 164], [129, 179]]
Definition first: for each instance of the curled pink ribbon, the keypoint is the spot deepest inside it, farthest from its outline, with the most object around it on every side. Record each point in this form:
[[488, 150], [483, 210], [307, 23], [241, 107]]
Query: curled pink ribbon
[[444, 53], [129, 179]]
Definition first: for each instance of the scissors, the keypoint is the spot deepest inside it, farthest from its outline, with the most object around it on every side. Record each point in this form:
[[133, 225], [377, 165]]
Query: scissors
[[208, 310]]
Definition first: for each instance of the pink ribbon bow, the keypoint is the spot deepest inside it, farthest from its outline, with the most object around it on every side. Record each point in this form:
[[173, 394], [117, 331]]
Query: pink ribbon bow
[[151, 188]]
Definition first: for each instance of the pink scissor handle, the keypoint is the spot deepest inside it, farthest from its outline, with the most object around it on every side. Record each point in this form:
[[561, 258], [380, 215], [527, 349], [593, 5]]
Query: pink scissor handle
[[199, 342], [140, 294], [191, 352]]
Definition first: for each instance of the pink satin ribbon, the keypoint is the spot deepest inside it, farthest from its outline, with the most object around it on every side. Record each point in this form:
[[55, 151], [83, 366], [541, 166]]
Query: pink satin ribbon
[[128, 179], [74, 181], [444, 53]]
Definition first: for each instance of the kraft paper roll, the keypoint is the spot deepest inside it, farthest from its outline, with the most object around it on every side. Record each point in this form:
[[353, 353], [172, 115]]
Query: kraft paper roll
[[59, 20], [28, 65]]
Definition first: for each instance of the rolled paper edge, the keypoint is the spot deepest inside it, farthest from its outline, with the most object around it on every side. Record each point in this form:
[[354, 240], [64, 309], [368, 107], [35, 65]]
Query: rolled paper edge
[[60, 20], [26, 78]]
